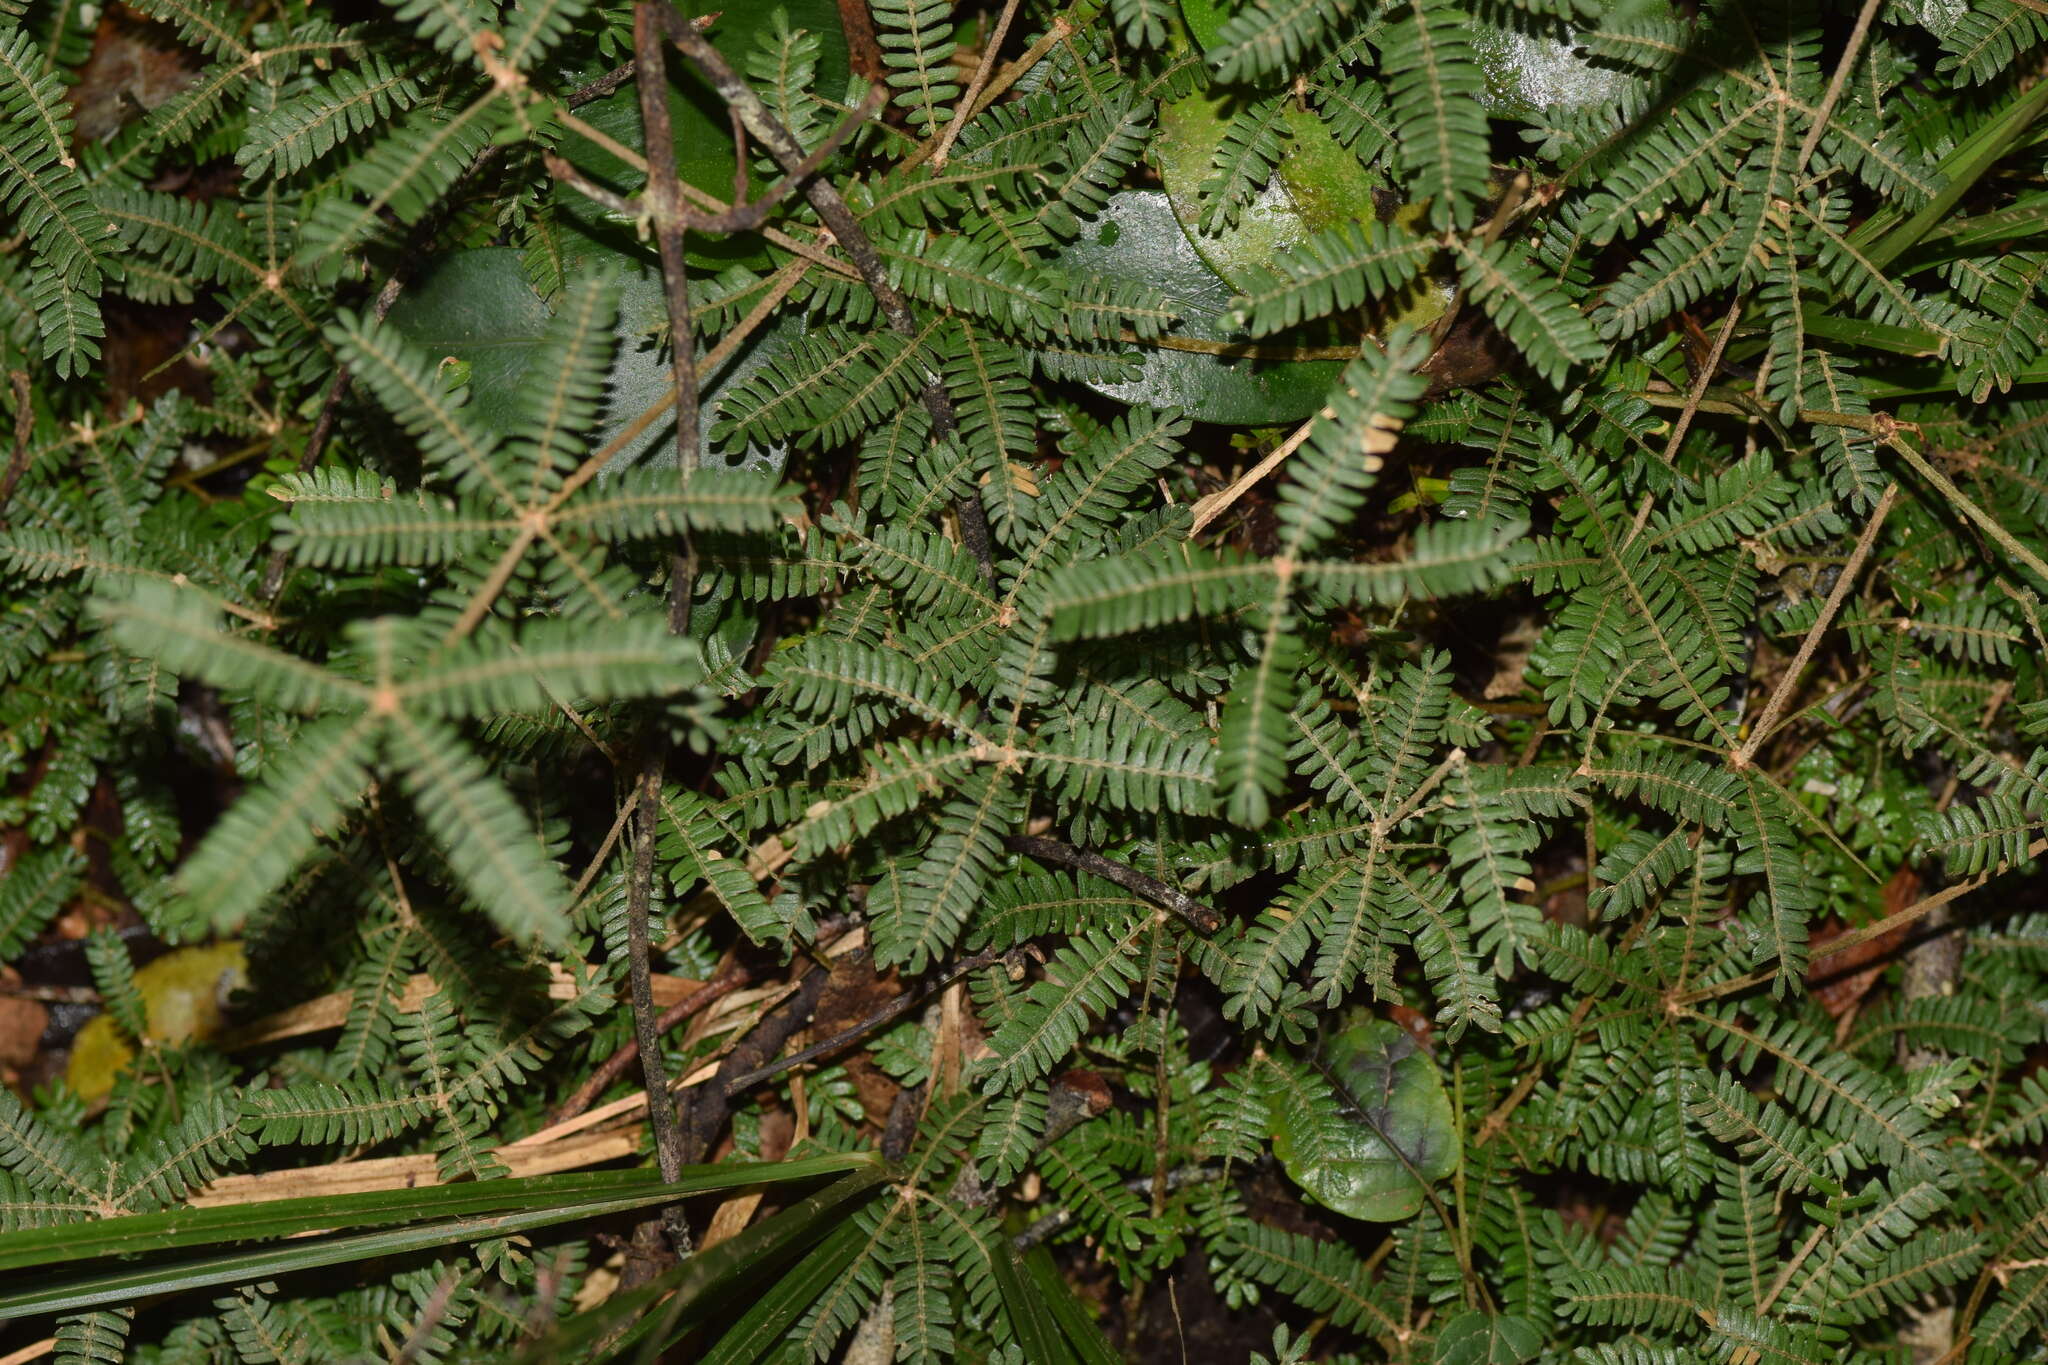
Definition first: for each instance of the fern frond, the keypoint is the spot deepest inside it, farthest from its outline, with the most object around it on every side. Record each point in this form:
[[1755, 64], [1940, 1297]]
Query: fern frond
[[916, 38], [1433, 85], [1335, 270], [940, 892], [350, 519], [1254, 139], [1101, 473], [1323, 1277], [1544, 325], [299, 131], [1097, 154], [535, 27], [550, 418], [487, 839], [1084, 979], [192, 1152], [828, 387], [1445, 558], [1251, 744], [35, 889], [694, 847], [451, 26], [411, 388], [1272, 36], [1119, 594], [1339, 462], [272, 828], [406, 172], [1691, 260]]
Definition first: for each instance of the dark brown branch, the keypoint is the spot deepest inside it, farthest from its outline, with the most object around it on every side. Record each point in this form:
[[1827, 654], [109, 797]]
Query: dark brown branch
[[599, 88], [707, 1106], [661, 1114], [615, 1066], [665, 203], [741, 185], [888, 1014], [747, 215], [863, 53], [846, 230], [1201, 918], [743, 215]]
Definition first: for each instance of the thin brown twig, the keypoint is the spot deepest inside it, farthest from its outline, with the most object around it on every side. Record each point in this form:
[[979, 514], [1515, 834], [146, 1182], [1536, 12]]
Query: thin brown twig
[[742, 185], [1766, 723], [965, 107], [1216, 504], [604, 850], [1919, 909], [781, 283], [432, 1314], [852, 238], [742, 214], [1691, 408], [888, 1014], [1201, 918], [1836, 85], [661, 1110], [608, 199], [749, 215], [1062, 28], [1893, 437], [508, 561], [616, 1065], [1708, 370]]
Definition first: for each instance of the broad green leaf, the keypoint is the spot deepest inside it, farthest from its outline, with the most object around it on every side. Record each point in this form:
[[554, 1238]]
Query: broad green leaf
[[1483, 1339], [1206, 18], [1389, 1134], [1136, 239], [476, 307], [1317, 185], [1530, 70]]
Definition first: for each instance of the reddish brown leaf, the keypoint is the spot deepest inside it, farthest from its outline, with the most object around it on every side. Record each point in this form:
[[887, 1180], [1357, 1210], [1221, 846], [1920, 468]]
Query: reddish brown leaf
[[1840, 981]]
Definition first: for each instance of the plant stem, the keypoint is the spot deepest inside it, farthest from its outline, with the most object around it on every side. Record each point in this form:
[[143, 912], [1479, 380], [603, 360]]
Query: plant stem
[[1197, 916], [661, 1109], [889, 1013], [614, 1066], [1766, 723], [1964, 504], [847, 231], [965, 107]]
